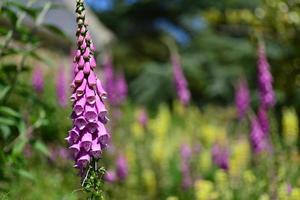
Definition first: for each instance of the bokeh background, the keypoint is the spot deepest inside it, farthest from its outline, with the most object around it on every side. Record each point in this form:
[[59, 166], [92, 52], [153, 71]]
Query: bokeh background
[[161, 147]]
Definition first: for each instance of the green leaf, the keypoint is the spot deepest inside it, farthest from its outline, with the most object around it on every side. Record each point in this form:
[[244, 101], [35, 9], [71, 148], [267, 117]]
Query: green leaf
[[32, 12], [41, 147], [9, 111], [12, 16], [4, 91], [21, 139], [8, 121], [25, 174], [5, 131], [40, 18]]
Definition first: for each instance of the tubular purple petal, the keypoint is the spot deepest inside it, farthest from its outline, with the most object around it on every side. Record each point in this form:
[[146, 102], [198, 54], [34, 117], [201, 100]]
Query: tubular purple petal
[[86, 68], [81, 62], [90, 113], [86, 141], [81, 89], [80, 123], [92, 79], [79, 77], [90, 95]]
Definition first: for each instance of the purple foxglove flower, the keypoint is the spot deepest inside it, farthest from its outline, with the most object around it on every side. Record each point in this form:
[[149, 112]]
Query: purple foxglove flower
[[88, 137], [122, 167], [186, 153], [263, 120], [242, 98], [115, 83], [220, 156], [180, 82], [109, 84], [257, 137], [265, 79], [121, 87], [110, 176], [61, 91], [143, 118], [38, 79]]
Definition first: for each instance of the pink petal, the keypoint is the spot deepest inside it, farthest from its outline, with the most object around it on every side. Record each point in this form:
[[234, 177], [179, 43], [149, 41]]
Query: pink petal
[[81, 62], [93, 62], [86, 68], [80, 90], [90, 95], [79, 77], [90, 113], [80, 123], [79, 106], [92, 79]]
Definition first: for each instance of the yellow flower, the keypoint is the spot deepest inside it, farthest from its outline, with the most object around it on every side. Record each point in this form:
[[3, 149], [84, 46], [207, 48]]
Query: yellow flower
[[290, 125], [205, 190], [264, 197], [295, 194], [131, 156], [239, 157], [137, 130], [249, 177], [172, 198], [221, 178], [150, 181], [283, 192], [209, 133], [159, 152], [205, 162], [160, 125]]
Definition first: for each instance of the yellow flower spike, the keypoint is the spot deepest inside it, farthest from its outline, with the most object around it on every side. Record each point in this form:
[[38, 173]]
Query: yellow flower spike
[[131, 156], [159, 152], [137, 130], [204, 190], [295, 194], [205, 161], [221, 178], [160, 125], [209, 133], [249, 177], [150, 181], [264, 197], [283, 192], [172, 198], [290, 126], [240, 156]]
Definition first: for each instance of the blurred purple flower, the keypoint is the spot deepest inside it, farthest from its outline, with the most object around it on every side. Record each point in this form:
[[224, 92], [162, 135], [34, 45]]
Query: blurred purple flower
[[38, 79], [220, 156], [263, 120], [242, 98], [186, 153], [265, 79], [110, 176], [289, 188], [122, 167], [121, 87], [88, 137], [143, 118], [61, 86], [257, 137], [180, 82], [115, 83]]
